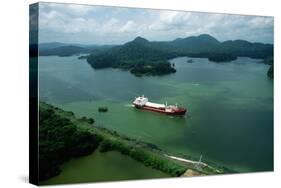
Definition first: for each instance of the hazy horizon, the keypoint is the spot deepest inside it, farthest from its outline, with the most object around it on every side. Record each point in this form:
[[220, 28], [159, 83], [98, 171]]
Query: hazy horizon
[[89, 44]]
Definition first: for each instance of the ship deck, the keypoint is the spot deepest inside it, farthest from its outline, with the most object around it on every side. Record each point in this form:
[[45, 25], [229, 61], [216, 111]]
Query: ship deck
[[154, 105]]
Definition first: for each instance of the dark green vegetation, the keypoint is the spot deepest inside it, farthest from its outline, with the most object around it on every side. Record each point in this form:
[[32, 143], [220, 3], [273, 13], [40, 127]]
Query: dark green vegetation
[[60, 140], [63, 136], [103, 109], [135, 56], [146, 157], [141, 56], [152, 68], [222, 57]]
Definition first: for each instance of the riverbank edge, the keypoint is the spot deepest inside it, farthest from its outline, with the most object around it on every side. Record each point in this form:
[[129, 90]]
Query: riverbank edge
[[146, 153]]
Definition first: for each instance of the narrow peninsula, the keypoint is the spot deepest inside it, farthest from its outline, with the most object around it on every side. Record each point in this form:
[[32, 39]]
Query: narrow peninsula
[[64, 136]]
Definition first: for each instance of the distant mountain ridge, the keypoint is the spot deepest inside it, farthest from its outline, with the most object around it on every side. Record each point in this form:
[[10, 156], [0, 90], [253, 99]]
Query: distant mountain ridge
[[199, 46], [66, 49], [62, 51], [50, 45]]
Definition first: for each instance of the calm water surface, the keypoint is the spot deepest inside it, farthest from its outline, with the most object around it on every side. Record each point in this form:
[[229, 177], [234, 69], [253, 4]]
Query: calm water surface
[[109, 166], [230, 106]]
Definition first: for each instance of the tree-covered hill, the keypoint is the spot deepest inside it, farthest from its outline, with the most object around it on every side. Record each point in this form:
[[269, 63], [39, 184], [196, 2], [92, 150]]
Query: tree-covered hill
[[247, 49], [196, 44], [140, 56]]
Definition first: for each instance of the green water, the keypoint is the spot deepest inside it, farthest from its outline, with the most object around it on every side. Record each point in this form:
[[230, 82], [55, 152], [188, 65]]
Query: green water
[[230, 106], [103, 167]]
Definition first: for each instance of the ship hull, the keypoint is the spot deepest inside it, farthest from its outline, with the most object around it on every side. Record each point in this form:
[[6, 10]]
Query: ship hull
[[180, 112]]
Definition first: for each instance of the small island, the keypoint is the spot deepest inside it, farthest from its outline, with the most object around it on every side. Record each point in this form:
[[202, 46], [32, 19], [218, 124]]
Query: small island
[[135, 56], [222, 57], [153, 68]]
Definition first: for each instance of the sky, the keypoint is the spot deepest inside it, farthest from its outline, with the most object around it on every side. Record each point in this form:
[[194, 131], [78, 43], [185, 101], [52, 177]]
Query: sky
[[87, 24]]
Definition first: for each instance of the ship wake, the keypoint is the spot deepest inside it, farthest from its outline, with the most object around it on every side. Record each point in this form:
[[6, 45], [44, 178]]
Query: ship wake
[[129, 105]]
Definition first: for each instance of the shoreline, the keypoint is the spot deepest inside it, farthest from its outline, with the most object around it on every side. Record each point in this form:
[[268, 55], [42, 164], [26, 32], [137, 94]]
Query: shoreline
[[198, 163], [186, 160], [147, 153]]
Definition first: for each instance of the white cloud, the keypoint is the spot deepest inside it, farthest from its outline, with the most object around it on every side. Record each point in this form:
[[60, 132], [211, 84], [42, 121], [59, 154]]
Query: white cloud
[[130, 26], [79, 9], [124, 24], [57, 21], [70, 9], [261, 22], [170, 20]]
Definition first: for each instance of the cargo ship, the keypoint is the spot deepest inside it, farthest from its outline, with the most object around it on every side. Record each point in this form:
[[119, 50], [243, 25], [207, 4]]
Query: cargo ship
[[143, 103]]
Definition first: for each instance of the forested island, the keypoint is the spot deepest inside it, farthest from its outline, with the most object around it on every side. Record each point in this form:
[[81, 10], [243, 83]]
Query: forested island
[[136, 57], [143, 57], [222, 57], [62, 136]]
